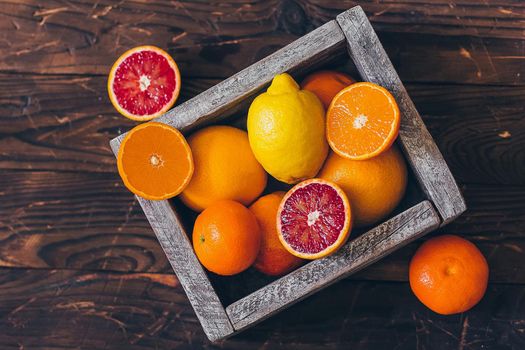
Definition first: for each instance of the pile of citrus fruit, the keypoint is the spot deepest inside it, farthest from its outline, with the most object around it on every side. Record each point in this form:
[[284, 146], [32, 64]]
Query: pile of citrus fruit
[[331, 138]]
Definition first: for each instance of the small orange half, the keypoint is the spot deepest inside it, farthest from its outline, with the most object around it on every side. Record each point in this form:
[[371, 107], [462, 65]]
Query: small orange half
[[155, 161], [144, 83], [314, 219], [362, 121]]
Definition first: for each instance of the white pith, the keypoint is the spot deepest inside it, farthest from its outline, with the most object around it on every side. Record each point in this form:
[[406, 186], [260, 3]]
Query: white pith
[[360, 121], [144, 82]]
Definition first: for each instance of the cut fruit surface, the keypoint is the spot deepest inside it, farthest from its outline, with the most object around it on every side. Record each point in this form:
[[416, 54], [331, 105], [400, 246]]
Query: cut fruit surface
[[155, 161], [144, 83], [314, 219], [362, 121]]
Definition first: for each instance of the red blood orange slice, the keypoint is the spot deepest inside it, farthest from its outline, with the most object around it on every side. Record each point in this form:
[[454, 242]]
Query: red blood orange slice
[[144, 83], [314, 219]]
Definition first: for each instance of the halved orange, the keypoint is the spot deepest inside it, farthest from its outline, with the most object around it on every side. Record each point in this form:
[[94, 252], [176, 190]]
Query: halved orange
[[314, 219], [362, 121], [144, 83], [155, 161]]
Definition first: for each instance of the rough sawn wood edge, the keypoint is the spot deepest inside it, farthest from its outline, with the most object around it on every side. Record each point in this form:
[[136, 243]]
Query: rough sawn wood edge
[[211, 104], [318, 274], [426, 160], [312, 48], [208, 106], [192, 277]]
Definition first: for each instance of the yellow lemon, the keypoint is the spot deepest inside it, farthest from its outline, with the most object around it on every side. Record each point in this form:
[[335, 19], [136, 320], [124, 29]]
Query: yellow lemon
[[286, 129]]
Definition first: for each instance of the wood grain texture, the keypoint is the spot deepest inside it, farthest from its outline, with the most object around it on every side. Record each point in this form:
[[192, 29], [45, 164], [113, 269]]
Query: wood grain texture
[[318, 274], [63, 207], [315, 47], [40, 119], [68, 309], [425, 159], [471, 42], [190, 273], [90, 221], [214, 104]]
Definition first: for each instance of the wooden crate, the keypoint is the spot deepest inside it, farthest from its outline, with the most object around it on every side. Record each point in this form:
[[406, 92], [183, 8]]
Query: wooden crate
[[349, 34]]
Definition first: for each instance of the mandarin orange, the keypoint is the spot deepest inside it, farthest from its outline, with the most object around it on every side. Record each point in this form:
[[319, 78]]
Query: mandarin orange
[[374, 186], [448, 274], [326, 84], [273, 258], [226, 238], [225, 168]]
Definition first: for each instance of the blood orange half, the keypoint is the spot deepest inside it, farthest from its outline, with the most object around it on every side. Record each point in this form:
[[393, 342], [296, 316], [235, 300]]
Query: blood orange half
[[144, 83], [314, 219]]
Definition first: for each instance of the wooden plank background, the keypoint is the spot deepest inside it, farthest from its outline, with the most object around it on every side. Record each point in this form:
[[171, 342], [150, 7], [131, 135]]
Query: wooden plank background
[[79, 264]]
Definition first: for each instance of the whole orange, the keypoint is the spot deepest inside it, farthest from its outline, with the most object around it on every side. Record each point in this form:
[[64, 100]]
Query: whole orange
[[273, 258], [448, 274], [224, 168], [326, 84], [226, 238], [374, 186]]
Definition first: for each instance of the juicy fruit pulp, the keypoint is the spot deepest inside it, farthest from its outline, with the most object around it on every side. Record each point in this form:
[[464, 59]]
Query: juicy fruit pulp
[[273, 258], [155, 161], [225, 168], [144, 83], [374, 186], [226, 238], [362, 121], [448, 274], [326, 84], [314, 219], [286, 129]]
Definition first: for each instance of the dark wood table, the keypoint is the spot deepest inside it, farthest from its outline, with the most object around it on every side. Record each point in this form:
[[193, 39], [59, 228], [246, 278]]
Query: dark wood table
[[79, 264]]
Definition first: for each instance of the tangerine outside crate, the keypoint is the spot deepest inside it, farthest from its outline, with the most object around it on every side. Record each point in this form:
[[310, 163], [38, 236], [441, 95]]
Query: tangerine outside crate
[[352, 32]]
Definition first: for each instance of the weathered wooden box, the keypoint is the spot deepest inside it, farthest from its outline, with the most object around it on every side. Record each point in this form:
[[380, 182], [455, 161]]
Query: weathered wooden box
[[351, 37]]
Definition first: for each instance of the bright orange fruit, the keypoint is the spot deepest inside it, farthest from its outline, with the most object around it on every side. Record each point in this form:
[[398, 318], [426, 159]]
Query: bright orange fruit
[[155, 161], [448, 274], [374, 186], [326, 84], [226, 238], [225, 168], [362, 121], [273, 259], [314, 219]]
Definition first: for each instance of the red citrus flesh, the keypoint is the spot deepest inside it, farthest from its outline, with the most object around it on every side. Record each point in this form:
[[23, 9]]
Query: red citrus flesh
[[144, 83], [314, 219]]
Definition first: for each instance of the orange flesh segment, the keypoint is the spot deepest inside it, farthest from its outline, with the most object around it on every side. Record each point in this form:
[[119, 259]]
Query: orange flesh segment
[[155, 161], [362, 121]]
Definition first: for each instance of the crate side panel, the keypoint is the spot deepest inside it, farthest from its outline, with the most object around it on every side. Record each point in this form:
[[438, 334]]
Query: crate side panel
[[423, 154], [193, 279], [316, 46], [318, 274]]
